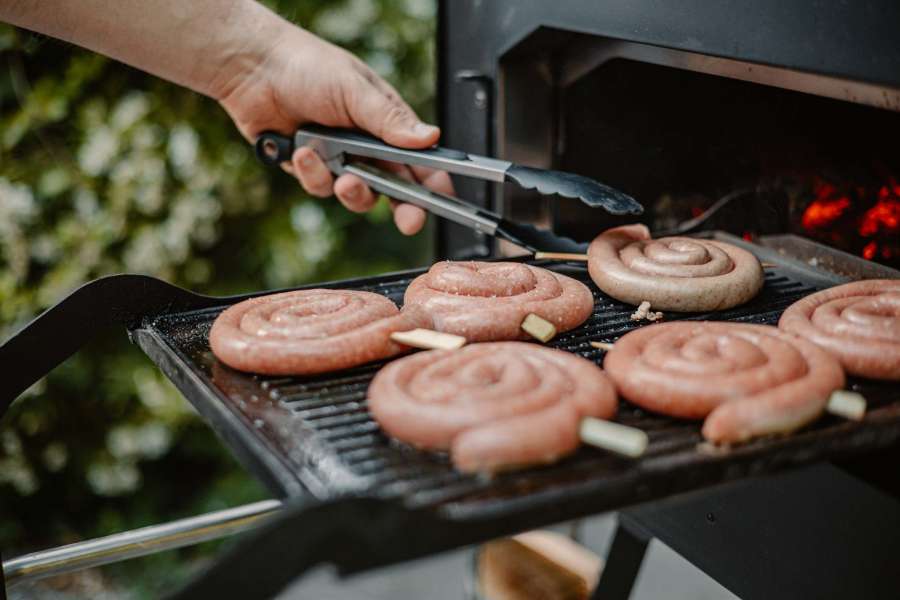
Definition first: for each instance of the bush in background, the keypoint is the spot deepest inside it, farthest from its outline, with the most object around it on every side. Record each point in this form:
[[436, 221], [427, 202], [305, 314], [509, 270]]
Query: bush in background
[[104, 169]]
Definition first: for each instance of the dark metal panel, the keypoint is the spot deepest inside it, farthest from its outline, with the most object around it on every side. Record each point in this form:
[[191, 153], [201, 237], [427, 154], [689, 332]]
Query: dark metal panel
[[855, 40], [816, 532], [465, 98], [63, 329]]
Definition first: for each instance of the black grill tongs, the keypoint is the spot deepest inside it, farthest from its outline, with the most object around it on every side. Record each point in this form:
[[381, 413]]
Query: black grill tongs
[[338, 146]]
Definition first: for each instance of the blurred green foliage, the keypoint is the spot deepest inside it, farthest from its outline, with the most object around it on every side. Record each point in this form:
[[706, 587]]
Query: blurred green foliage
[[104, 169]]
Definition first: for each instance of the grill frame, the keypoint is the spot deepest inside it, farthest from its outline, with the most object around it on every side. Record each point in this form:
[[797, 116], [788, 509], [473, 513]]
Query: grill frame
[[541, 496]]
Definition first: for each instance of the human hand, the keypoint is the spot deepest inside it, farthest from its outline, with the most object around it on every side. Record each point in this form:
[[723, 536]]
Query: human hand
[[303, 79]]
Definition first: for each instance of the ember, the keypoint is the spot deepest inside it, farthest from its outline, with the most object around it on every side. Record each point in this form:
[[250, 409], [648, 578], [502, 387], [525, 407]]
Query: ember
[[825, 208], [885, 215], [863, 219], [870, 250]]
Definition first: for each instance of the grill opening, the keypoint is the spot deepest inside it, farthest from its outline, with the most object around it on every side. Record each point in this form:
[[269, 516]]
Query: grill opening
[[769, 159]]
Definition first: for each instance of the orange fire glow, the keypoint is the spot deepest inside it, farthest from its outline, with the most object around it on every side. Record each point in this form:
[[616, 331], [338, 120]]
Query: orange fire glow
[[821, 212], [885, 215], [869, 250], [827, 206]]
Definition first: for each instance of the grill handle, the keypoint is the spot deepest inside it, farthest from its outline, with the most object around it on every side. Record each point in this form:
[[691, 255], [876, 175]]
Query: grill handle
[[352, 533], [63, 329]]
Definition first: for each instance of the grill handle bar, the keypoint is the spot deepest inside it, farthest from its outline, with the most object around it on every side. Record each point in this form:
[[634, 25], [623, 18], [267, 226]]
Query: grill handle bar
[[352, 533], [63, 329], [138, 542]]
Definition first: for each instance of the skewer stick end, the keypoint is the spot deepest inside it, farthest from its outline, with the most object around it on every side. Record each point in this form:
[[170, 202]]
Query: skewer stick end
[[560, 256], [605, 346], [428, 339], [615, 437], [538, 327], [849, 405]]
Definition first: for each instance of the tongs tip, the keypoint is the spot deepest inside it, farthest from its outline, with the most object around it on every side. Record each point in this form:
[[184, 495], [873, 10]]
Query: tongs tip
[[569, 185]]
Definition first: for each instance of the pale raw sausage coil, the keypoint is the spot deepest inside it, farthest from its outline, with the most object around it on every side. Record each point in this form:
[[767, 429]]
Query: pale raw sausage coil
[[859, 323], [485, 301], [673, 273], [308, 331], [746, 380], [494, 406]]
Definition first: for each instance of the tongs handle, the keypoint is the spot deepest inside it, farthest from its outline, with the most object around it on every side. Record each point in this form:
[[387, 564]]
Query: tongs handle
[[334, 144]]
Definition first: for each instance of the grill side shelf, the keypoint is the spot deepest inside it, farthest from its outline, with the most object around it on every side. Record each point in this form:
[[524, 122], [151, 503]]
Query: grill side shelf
[[250, 450], [63, 329]]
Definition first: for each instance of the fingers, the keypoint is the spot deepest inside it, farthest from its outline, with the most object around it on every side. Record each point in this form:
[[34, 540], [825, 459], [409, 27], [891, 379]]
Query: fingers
[[314, 176], [439, 181], [354, 194], [376, 107], [409, 219]]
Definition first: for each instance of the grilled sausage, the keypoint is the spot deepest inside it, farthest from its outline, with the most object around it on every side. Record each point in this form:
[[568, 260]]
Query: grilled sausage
[[673, 273], [484, 301], [859, 323], [746, 380], [308, 331], [494, 406]]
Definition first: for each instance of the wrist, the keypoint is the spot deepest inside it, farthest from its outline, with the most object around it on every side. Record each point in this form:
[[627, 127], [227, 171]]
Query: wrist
[[250, 34]]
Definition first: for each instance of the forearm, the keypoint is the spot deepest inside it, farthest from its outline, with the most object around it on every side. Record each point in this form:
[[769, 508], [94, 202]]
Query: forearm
[[207, 45]]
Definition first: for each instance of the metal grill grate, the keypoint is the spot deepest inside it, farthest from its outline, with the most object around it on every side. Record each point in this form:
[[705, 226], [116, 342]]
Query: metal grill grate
[[320, 431]]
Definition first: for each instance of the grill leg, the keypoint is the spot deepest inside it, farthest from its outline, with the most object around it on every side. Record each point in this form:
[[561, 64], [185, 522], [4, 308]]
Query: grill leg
[[623, 562]]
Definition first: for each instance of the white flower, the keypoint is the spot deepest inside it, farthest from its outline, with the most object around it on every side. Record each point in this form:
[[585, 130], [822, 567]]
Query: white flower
[[86, 204], [183, 147], [129, 110], [381, 62], [347, 21], [145, 253], [45, 249], [307, 217], [113, 479], [421, 9], [97, 152], [150, 440], [55, 455], [314, 248], [16, 203]]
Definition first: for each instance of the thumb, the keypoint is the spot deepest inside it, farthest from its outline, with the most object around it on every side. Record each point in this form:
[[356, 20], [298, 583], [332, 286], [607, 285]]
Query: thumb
[[385, 115]]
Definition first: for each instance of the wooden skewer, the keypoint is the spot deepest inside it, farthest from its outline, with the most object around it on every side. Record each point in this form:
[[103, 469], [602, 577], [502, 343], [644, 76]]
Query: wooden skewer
[[605, 346], [621, 439], [538, 327], [849, 405], [428, 339], [561, 256], [767, 265]]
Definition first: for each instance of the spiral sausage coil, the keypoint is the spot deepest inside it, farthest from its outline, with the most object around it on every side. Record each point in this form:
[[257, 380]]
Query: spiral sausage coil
[[485, 301], [859, 323], [494, 406], [673, 273], [308, 331], [746, 380]]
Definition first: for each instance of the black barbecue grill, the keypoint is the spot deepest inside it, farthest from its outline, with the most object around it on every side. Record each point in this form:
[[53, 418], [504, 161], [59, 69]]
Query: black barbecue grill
[[313, 442], [685, 106]]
